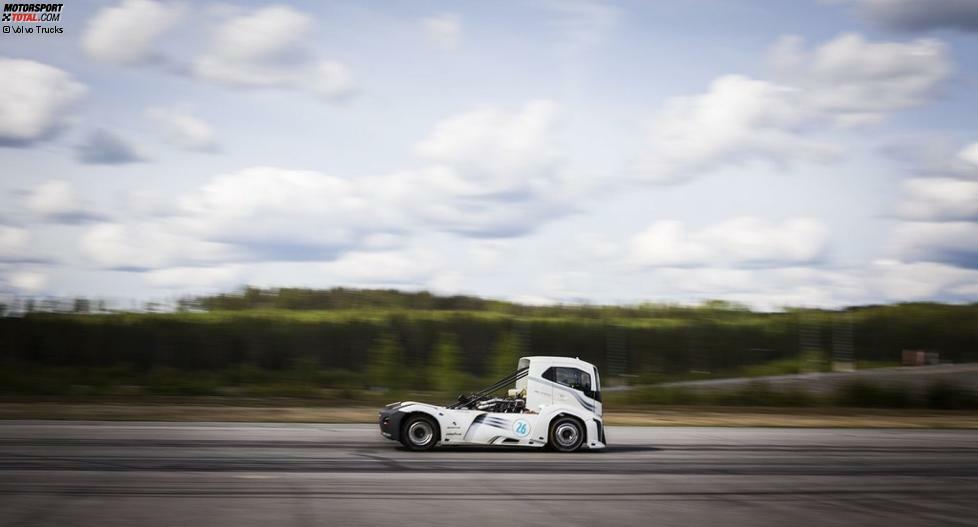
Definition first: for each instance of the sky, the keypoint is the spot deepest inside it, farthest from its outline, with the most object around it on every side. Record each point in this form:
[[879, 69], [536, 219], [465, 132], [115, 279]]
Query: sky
[[804, 153]]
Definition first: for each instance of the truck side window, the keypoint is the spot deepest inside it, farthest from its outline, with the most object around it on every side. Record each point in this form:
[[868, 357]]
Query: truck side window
[[570, 377]]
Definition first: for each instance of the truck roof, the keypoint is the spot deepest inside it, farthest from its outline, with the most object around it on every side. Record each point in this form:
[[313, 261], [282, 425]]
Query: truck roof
[[550, 359]]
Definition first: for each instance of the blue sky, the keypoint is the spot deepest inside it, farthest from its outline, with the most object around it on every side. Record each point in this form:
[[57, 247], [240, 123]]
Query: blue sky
[[806, 153]]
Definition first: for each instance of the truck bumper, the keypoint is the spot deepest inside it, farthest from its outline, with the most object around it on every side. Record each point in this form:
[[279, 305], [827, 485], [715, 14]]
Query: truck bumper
[[595, 434], [389, 421]]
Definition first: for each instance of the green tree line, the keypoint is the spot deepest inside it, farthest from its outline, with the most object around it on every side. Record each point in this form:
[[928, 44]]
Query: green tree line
[[404, 340]]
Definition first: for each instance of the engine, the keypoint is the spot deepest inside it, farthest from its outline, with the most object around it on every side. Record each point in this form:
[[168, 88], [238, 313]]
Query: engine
[[502, 405]]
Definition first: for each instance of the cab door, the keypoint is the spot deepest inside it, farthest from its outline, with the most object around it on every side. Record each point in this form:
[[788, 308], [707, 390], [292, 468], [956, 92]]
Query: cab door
[[538, 394], [564, 397], [574, 387]]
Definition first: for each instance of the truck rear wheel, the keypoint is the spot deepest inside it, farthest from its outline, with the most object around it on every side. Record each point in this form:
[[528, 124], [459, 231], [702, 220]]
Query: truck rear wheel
[[420, 432], [566, 434]]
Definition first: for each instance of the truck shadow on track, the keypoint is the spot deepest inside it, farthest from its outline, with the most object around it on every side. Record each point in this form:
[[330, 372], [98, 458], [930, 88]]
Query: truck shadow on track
[[525, 450]]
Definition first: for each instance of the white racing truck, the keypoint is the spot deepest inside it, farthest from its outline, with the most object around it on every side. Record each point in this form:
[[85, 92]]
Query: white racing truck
[[556, 402]]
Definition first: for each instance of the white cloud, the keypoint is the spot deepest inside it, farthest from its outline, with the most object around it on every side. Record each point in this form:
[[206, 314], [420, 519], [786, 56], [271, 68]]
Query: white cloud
[[487, 255], [915, 15], [268, 33], [491, 151], [930, 155], [57, 201], [290, 213], [444, 30], [771, 286], [386, 268], [953, 243], [853, 81], [566, 285], [14, 244], [35, 100], [264, 49], [196, 278], [735, 242], [769, 289], [487, 174], [940, 199], [666, 243], [184, 130], [793, 285], [940, 234], [328, 79], [256, 214], [897, 280], [151, 245], [447, 283], [28, 281], [846, 81], [594, 246], [737, 120], [969, 154], [125, 33], [533, 300]]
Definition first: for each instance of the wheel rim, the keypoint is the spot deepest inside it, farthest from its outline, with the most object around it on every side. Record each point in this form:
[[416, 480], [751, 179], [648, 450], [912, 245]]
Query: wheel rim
[[420, 433], [567, 434]]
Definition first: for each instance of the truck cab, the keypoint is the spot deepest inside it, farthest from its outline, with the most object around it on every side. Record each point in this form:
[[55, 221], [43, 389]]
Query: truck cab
[[560, 381]]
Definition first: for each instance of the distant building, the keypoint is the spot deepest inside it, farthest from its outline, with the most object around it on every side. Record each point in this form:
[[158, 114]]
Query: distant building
[[920, 358]]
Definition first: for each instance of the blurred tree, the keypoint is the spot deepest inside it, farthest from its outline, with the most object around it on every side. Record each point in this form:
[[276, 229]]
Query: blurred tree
[[82, 305], [385, 362], [664, 340], [505, 355], [444, 374]]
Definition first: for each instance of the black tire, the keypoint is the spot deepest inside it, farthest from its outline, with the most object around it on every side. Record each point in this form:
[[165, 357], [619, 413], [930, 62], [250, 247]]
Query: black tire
[[566, 434], [419, 432]]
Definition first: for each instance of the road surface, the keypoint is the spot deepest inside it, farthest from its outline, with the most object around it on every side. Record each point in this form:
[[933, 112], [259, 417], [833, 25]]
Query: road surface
[[221, 474]]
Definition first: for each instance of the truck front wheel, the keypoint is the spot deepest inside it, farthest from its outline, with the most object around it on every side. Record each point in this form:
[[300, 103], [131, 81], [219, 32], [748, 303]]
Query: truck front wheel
[[420, 432], [566, 434]]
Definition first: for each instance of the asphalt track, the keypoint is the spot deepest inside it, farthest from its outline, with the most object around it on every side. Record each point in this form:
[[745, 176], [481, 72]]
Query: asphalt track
[[214, 474]]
